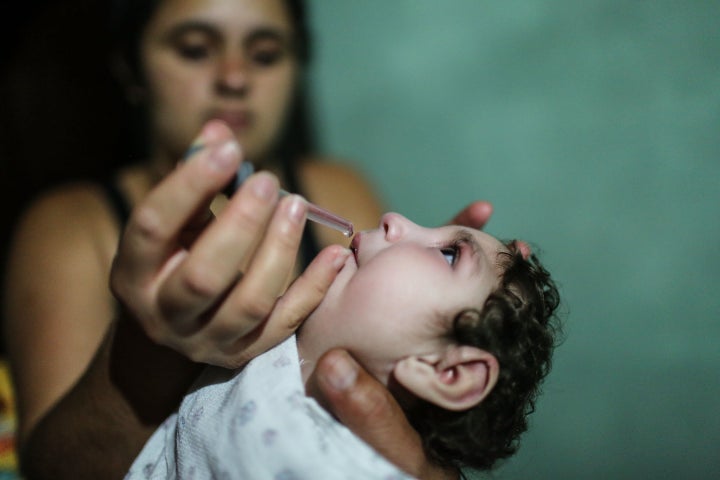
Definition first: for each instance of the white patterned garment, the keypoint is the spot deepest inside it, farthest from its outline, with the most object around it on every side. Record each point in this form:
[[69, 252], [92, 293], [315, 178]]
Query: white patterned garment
[[257, 423]]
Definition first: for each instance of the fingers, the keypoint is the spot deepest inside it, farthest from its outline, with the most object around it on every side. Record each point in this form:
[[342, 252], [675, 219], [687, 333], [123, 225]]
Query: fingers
[[219, 298], [207, 304], [218, 255], [175, 288], [475, 215], [270, 265], [300, 299], [149, 247], [367, 408], [154, 226], [269, 271], [309, 289]]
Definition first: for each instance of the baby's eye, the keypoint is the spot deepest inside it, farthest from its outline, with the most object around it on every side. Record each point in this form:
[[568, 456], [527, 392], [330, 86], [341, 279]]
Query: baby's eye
[[451, 254]]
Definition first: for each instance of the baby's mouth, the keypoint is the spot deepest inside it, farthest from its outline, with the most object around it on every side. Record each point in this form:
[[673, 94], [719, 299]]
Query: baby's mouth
[[355, 246]]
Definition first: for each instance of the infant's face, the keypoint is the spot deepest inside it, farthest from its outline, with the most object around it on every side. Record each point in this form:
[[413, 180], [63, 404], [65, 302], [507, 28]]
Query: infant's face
[[399, 292]]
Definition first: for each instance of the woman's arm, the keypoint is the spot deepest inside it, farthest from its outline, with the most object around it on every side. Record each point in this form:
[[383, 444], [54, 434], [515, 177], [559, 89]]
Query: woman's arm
[[57, 305]]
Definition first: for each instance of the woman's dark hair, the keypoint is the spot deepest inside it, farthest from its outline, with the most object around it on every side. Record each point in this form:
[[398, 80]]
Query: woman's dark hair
[[128, 19], [518, 325]]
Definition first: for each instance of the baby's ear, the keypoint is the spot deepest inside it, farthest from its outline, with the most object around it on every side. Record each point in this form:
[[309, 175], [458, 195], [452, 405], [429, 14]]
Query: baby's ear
[[456, 379]]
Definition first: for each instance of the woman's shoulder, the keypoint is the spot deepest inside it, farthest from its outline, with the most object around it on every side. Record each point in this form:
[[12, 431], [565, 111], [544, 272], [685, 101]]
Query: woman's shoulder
[[66, 214], [79, 201], [94, 204]]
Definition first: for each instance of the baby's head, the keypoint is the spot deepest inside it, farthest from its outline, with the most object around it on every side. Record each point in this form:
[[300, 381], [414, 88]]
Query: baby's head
[[457, 325]]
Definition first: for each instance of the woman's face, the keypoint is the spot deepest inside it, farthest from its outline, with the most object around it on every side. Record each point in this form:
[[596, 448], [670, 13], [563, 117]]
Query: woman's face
[[228, 59]]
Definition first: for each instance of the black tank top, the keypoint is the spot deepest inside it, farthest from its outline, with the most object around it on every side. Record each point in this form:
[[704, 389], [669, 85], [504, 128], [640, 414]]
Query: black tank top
[[117, 200]]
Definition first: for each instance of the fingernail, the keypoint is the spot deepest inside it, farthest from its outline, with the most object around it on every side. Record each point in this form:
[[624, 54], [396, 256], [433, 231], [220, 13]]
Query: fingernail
[[225, 155], [296, 209], [341, 258], [344, 372], [262, 186]]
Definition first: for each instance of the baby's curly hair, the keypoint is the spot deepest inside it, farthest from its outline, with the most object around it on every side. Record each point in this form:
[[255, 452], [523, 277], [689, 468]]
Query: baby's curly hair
[[518, 325]]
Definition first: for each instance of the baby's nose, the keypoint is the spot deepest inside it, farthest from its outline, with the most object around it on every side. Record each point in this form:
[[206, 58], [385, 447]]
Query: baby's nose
[[394, 225]]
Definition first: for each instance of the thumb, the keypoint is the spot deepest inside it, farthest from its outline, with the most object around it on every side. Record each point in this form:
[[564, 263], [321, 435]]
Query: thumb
[[367, 408], [475, 215]]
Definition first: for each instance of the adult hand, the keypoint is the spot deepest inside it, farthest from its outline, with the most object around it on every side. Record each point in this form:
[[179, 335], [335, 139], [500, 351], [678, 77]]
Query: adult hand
[[475, 215], [367, 408], [211, 288]]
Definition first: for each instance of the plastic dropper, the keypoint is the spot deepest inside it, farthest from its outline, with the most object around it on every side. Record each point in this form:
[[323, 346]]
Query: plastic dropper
[[314, 213]]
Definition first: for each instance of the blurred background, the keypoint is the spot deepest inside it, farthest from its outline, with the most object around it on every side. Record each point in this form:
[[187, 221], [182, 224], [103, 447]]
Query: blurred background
[[594, 128]]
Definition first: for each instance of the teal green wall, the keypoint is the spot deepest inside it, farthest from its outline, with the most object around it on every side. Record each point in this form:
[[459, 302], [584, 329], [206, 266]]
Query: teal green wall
[[594, 127]]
